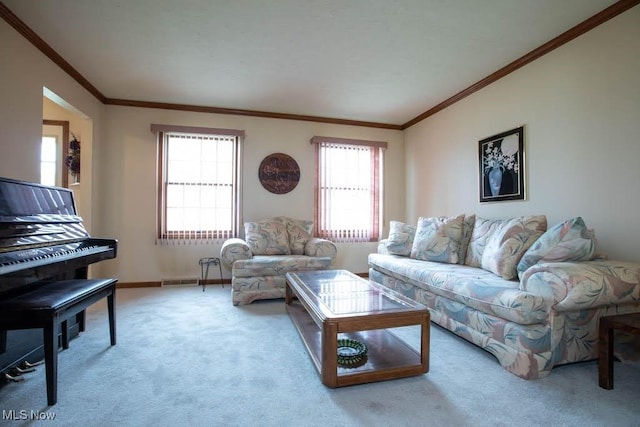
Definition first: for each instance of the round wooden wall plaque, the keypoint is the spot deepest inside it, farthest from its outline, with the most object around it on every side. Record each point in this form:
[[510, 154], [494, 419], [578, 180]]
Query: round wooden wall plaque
[[279, 173]]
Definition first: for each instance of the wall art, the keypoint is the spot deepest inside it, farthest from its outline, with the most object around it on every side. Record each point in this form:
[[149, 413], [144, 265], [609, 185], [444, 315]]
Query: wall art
[[502, 167], [279, 173]]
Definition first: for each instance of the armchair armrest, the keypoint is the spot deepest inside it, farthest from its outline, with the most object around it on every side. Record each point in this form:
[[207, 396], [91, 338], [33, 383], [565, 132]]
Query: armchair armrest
[[234, 249], [583, 285], [318, 247]]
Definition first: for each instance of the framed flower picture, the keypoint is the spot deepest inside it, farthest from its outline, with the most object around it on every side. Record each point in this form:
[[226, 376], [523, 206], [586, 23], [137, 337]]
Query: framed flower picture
[[501, 166]]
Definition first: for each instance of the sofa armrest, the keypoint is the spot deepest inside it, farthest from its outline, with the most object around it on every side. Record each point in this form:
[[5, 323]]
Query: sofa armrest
[[234, 249], [382, 247], [318, 247], [584, 285]]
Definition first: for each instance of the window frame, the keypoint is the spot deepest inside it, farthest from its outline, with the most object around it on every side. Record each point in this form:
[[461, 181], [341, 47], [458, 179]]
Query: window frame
[[195, 236], [377, 171]]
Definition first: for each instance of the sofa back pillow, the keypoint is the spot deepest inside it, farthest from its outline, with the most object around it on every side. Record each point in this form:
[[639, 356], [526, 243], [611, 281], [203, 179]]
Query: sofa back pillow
[[400, 239], [509, 242], [267, 237], [568, 241], [438, 239], [482, 230], [467, 231]]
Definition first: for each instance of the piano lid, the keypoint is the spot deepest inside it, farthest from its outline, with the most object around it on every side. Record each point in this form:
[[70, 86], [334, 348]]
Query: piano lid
[[34, 215], [30, 200]]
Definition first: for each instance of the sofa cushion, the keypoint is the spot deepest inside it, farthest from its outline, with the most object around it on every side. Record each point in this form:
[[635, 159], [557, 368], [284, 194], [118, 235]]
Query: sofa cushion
[[278, 265], [300, 232], [438, 239], [471, 286], [467, 230], [400, 239], [509, 242], [482, 231], [567, 241], [267, 237]]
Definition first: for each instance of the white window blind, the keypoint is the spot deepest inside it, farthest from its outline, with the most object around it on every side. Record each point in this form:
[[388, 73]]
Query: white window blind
[[198, 199], [348, 189]]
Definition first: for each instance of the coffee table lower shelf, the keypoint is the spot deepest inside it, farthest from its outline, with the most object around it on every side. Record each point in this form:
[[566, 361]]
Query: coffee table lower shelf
[[388, 356]]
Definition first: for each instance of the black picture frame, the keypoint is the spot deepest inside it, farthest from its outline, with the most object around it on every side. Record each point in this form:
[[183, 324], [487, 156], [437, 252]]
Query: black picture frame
[[502, 167]]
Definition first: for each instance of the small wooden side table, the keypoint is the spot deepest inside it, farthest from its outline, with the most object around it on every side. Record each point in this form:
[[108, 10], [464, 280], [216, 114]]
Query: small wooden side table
[[622, 322]]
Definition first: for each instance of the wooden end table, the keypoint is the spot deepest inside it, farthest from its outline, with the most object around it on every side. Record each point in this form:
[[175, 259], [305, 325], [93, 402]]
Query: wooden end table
[[622, 322]]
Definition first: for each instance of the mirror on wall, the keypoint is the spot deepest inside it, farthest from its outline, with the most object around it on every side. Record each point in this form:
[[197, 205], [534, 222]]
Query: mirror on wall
[[55, 145]]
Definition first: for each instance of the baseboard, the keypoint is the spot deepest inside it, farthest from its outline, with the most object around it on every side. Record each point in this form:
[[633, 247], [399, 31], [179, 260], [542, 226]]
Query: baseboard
[[139, 284], [158, 284]]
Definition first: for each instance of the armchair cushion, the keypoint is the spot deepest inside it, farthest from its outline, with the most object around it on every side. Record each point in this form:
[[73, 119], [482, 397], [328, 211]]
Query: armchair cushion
[[300, 232], [267, 237]]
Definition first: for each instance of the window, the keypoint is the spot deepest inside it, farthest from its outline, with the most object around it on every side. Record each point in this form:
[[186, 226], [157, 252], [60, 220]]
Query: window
[[48, 159], [348, 189], [198, 195]]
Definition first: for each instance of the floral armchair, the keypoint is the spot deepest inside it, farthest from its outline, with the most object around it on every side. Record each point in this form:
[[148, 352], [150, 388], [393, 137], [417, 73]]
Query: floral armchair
[[271, 248]]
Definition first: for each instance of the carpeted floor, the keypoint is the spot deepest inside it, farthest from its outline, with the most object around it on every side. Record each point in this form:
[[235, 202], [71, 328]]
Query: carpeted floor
[[188, 357]]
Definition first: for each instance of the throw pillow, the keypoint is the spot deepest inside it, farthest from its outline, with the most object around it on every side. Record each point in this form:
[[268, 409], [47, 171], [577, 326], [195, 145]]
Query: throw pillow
[[467, 230], [482, 230], [438, 239], [267, 237], [300, 232], [568, 241], [400, 239], [509, 243]]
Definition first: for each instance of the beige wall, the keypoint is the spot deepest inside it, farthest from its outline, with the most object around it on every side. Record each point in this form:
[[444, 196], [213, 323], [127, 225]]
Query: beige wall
[[120, 191], [24, 75], [81, 127], [580, 105], [128, 205]]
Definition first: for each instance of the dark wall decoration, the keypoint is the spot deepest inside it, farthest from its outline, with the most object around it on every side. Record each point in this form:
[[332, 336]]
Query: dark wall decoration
[[279, 173], [501, 166]]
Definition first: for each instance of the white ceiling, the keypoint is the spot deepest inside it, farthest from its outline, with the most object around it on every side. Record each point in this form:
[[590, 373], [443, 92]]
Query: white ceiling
[[384, 61]]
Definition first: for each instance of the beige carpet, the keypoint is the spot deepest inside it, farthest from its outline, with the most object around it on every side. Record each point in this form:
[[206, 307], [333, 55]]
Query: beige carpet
[[185, 357]]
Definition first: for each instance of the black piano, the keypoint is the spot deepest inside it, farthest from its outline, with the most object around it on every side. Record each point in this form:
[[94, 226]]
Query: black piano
[[42, 241]]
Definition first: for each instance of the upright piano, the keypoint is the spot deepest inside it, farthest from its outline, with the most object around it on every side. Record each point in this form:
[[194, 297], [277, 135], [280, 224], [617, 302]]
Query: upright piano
[[42, 241]]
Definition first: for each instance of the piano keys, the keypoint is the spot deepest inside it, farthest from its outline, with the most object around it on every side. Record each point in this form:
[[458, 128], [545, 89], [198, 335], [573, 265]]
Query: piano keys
[[42, 240]]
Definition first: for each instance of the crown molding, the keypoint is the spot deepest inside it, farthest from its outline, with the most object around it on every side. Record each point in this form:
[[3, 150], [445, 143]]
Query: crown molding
[[253, 113], [40, 44], [599, 18], [585, 26]]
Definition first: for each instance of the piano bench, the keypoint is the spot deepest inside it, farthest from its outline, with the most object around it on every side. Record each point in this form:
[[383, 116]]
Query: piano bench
[[49, 307]]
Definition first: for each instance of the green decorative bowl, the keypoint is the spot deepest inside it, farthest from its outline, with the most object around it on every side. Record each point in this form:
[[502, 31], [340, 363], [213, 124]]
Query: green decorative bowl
[[351, 353]]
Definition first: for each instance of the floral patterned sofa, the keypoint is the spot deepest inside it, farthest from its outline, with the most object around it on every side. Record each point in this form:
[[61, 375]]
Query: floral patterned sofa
[[530, 296], [271, 248]]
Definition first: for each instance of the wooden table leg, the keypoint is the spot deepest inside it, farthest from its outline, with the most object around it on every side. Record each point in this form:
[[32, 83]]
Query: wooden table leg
[[287, 293], [605, 354], [424, 342], [329, 361]]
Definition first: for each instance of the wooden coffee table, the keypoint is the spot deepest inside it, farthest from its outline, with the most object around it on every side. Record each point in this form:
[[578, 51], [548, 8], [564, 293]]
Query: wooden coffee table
[[329, 305]]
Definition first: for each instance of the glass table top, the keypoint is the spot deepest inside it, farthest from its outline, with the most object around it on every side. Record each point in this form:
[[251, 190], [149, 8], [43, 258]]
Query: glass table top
[[343, 293]]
